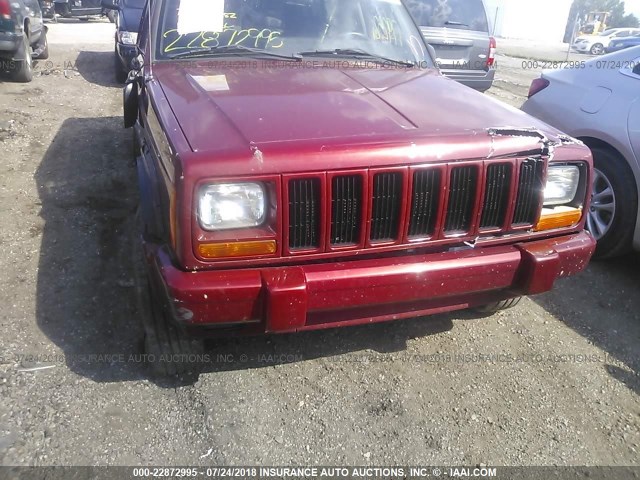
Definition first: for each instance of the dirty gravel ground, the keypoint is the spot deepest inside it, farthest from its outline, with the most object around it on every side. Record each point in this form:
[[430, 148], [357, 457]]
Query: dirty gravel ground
[[382, 394]]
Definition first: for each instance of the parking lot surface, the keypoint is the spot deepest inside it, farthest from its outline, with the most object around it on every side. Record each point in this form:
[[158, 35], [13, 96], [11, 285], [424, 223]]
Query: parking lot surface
[[553, 381]]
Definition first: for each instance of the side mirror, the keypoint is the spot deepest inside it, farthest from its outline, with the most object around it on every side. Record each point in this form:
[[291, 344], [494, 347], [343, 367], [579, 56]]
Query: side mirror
[[130, 103], [110, 4]]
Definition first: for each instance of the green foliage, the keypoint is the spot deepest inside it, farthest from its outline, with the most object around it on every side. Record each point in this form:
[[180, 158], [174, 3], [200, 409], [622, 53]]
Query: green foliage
[[617, 17], [629, 21]]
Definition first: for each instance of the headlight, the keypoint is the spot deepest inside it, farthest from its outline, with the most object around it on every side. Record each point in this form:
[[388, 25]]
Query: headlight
[[224, 206], [562, 185], [561, 193], [128, 38]]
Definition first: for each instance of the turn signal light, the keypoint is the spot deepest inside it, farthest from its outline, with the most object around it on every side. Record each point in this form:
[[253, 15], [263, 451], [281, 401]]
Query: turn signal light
[[237, 249], [558, 218]]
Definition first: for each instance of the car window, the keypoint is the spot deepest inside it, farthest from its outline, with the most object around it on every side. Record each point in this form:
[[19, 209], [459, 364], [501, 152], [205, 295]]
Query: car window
[[623, 33], [463, 14], [287, 27]]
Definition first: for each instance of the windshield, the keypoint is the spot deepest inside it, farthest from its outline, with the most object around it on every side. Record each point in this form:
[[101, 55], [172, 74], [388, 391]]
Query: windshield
[[289, 27], [463, 14], [606, 33]]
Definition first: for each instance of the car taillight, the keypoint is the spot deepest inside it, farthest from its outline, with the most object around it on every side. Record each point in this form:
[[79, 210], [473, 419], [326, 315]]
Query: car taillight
[[492, 52], [5, 9], [538, 85]]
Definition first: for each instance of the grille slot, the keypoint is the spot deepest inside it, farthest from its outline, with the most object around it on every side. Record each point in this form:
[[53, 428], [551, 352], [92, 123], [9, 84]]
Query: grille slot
[[346, 209], [530, 189], [440, 203], [496, 197], [387, 200], [425, 200], [304, 213], [462, 194]]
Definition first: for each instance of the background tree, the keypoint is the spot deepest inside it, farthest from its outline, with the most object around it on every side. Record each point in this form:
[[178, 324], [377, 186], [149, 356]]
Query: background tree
[[617, 17]]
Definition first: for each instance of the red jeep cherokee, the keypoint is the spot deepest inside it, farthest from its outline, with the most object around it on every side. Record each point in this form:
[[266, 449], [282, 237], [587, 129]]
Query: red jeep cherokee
[[303, 165]]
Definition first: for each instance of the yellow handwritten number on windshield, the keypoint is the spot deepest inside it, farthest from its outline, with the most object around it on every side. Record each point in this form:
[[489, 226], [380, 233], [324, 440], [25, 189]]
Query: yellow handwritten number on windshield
[[254, 37]]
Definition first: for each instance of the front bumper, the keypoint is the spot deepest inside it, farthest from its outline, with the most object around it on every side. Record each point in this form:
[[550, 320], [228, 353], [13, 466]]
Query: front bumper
[[581, 47], [323, 295], [126, 53]]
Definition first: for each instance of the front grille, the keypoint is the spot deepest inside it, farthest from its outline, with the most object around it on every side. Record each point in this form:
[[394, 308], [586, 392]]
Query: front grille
[[304, 213], [462, 195], [424, 203], [387, 200], [496, 196], [375, 203], [530, 190], [346, 209]]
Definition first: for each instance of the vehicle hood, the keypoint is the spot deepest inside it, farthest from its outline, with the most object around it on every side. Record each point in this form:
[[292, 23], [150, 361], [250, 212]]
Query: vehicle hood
[[130, 19], [222, 108]]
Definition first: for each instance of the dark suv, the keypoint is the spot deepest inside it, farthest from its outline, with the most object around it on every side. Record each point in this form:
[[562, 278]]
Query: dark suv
[[458, 30], [127, 24], [21, 30]]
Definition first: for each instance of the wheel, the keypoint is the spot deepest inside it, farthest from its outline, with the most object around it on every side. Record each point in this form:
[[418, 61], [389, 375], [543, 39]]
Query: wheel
[[614, 204], [23, 70], [43, 46], [498, 306], [121, 75], [169, 351], [597, 49]]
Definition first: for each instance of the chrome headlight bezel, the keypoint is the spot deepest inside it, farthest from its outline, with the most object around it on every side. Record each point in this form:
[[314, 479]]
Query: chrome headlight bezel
[[127, 38], [563, 185], [231, 206]]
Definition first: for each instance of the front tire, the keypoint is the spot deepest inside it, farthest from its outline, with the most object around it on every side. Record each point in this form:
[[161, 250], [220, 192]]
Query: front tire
[[597, 49], [24, 67], [499, 306], [614, 204], [43, 46], [170, 352]]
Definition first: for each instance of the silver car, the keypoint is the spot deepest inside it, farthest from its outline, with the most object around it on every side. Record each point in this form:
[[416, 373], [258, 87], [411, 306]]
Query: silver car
[[598, 102], [597, 44]]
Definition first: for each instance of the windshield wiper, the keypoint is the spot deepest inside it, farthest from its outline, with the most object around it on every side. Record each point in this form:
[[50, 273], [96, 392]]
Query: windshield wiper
[[455, 24], [354, 53], [233, 50]]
